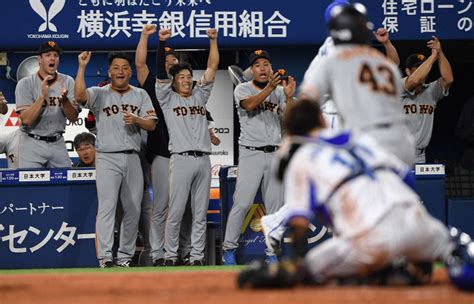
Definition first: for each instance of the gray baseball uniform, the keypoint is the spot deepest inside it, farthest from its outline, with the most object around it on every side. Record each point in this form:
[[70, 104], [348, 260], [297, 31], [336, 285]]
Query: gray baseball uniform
[[9, 146], [118, 166], [419, 109], [42, 143], [258, 128], [159, 156], [190, 166], [365, 87]]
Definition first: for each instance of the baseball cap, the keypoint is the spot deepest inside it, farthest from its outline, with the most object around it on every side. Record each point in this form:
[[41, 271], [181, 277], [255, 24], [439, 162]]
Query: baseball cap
[[258, 54], [49, 46], [414, 60], [170, 51]]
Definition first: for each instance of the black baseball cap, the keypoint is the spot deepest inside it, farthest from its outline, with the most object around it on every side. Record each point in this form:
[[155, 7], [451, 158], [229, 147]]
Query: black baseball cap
[[48, 47], [258, 54], [414, 60], [170, 51]]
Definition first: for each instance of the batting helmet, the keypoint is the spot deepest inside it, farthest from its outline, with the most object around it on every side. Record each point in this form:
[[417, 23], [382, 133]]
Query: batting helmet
[[331, 6], [349, 24]]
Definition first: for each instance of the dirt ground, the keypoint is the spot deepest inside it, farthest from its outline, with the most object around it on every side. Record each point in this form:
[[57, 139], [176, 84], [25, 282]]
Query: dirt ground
[[204, 287]]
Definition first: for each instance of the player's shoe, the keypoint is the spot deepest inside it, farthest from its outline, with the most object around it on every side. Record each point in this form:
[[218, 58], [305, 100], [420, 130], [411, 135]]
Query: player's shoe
[[197, 263], [228, 257], [106, 264], [273, 234], [159, 262], [169, 262], [126, 264]]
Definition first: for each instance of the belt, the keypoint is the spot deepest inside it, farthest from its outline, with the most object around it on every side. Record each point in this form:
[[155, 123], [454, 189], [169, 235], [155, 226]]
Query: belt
[[383, 125], [123, 151], [45, 138], [265, 149], [193, 153], [420, 151]]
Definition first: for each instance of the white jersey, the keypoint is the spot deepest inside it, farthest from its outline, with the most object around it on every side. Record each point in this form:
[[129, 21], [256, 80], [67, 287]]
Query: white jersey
[[9, 146], [364, 85], [358, 192]]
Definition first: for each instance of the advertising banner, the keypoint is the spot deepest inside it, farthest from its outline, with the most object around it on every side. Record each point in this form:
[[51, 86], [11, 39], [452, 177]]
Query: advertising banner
[[116, 24]]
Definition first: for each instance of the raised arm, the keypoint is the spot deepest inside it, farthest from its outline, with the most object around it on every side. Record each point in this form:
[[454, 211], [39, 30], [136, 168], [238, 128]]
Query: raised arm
[[80, 92], [382, 36], [445, 70], [419, 76], [141, 53], [213, 60], [161, 73]]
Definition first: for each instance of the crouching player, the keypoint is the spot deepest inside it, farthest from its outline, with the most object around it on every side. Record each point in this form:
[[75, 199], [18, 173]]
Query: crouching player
[[363, 194]]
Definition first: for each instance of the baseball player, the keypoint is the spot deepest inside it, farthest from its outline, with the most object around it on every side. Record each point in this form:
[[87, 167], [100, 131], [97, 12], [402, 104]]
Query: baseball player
[[190, 169], [361, 192], [43, 102], [3, 104], [120, 110], [259, 103], [419, 99], [9, 146], [364, 85], [159, 156], [271, 223]]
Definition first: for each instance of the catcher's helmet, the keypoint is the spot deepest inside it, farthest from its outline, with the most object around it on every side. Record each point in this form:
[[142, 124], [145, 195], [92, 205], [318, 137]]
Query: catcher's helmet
[[349, 24]]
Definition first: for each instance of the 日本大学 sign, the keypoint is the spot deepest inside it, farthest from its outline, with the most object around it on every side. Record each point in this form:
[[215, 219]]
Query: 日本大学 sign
[[116, 24]]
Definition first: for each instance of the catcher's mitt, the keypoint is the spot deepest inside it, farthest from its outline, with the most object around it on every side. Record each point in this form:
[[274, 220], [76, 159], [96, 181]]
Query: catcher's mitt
[[260, 275]]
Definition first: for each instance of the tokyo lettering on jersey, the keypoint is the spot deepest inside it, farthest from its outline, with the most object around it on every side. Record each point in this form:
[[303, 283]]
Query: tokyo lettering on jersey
[[420, 108], [52, 120], [107, 105], [186, 117], [262, 126]]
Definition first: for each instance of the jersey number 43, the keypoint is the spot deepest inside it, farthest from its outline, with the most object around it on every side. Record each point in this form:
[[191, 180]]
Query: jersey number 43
[[386, 86]]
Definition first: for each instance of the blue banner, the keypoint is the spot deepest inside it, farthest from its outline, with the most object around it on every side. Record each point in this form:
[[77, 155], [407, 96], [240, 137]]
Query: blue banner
[[47, 218], [117, 24]]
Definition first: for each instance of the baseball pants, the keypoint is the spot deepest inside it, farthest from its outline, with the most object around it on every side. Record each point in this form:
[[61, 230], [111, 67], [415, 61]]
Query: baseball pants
[[118, 174], [160, 183], [35, 153], [188, 175], [405, 231], [254, 170]]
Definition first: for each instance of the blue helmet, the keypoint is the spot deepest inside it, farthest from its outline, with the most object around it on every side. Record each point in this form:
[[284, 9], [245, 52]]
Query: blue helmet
[[327, 13], [461, 262]]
